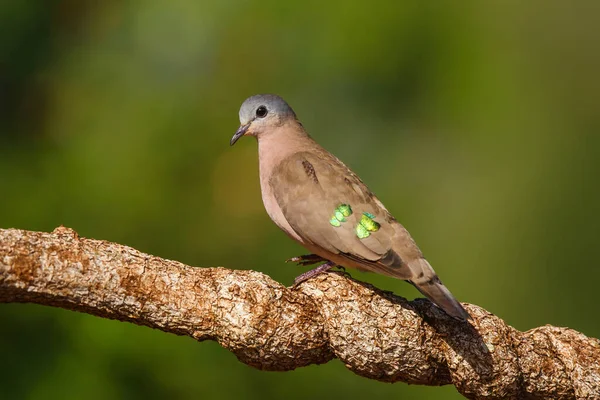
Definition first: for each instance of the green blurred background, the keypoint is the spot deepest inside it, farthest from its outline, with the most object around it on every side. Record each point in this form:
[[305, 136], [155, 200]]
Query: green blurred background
[[476, 124]]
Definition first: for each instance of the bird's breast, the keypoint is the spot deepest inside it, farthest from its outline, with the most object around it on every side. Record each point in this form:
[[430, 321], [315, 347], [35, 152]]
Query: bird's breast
[[271, 204]]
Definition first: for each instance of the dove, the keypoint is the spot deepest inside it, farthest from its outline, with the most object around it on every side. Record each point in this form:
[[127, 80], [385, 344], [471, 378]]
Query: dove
[[320, 203]]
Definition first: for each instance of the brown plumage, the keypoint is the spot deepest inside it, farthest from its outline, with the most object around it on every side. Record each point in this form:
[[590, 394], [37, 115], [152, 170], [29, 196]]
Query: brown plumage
[[302, 187]]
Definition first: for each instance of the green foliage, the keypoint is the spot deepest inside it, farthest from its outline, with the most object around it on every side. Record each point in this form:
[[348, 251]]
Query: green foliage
[[481, 121]]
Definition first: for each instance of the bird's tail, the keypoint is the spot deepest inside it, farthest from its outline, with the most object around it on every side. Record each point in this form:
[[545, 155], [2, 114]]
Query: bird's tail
[[430, 285]]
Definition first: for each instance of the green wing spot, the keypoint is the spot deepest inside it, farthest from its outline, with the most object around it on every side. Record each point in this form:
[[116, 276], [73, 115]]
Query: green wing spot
[[339, 216], [366, 226], [345, 209], [368, 223], [362, 232], [340, 213]]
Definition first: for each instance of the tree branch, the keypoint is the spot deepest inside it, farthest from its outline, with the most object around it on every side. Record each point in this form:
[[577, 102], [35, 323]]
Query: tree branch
[[376, 334]]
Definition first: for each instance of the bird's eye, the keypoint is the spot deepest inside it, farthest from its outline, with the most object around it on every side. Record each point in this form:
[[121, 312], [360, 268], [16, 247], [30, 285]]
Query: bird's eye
[[261, 112]]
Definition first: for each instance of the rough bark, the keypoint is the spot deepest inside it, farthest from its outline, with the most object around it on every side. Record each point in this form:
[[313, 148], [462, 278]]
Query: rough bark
[[376, 334]]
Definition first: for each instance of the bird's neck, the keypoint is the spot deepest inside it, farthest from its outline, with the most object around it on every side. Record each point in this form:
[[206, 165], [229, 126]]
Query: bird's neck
[[281, 143]]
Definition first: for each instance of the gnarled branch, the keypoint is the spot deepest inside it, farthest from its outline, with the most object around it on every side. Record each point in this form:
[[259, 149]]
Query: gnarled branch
[[268, 326]]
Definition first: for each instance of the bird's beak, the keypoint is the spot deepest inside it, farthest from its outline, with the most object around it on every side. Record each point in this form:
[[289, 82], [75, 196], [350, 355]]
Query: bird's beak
[[239, 133]]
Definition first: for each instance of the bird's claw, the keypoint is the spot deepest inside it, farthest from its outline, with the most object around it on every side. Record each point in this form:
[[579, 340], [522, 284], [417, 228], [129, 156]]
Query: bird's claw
[[343, 271], [307, 259]]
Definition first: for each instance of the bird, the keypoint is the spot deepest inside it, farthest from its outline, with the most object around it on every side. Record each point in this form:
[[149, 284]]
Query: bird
[[319, 202]]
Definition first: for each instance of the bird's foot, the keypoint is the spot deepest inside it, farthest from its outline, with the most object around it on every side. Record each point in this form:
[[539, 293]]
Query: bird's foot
[[313, 272], [344, 272], [307, 259]]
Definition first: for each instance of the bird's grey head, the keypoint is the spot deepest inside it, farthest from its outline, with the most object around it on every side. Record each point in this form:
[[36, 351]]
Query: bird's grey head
[[260, 112]]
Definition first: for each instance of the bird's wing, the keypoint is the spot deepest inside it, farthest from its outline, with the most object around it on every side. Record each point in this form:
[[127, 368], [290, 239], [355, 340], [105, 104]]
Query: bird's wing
[[329, 206]]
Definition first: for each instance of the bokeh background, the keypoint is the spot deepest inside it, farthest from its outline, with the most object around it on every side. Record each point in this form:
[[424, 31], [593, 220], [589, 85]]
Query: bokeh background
[[477, 124]]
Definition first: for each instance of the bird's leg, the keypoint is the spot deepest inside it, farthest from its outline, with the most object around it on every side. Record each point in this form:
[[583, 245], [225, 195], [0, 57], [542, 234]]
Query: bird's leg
[[313, 272], [307, 259]]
